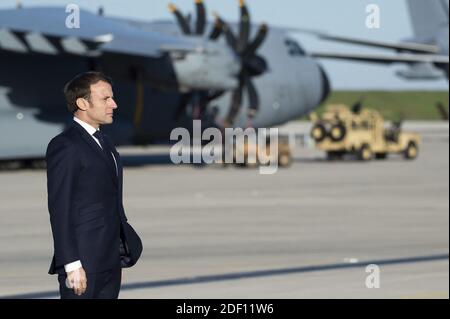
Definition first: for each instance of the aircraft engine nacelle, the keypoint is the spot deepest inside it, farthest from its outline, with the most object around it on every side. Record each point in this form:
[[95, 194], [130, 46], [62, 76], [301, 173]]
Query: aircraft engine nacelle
[[211, 66]]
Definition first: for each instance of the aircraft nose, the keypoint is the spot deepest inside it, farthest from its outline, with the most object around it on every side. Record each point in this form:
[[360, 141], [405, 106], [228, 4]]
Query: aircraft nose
[[326, 87]]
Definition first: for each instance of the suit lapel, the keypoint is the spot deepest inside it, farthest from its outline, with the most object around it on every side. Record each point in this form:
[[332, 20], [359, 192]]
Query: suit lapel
[[117, 158], [97, 149]]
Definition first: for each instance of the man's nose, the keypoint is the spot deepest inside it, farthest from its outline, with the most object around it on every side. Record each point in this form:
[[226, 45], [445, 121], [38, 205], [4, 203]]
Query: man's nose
[[114, 104]]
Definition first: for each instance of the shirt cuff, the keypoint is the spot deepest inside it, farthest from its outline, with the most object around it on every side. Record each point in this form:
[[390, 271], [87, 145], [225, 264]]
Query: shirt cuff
[[72, 266]]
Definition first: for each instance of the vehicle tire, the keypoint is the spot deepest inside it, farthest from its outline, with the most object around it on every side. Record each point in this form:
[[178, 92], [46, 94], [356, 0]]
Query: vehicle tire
[[284, 159], [318, 132], [337, 132], [11, 165], [412, 151], [381, 156], [365, 153]]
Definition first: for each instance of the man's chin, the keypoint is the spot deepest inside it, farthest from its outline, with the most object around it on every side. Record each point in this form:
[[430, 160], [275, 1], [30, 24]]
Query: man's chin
[[108, 121]]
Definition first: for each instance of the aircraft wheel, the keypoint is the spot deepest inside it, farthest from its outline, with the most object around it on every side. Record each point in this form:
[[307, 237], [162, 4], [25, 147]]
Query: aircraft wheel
[[250, 163], [11, 165], [38, 164]]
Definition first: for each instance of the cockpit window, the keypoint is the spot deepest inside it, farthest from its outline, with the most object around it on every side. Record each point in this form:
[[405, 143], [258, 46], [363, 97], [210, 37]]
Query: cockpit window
[[294, 48]]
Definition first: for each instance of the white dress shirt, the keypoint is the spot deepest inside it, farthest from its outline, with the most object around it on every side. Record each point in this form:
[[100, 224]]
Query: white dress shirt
[[91, 130]]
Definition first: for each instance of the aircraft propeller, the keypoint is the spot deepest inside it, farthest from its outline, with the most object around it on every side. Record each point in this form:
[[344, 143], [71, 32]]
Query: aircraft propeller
[[200, 24], [198, 98], [252, 64]]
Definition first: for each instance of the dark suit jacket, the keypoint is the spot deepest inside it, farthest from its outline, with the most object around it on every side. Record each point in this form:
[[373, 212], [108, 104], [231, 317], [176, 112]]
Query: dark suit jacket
[[85, 203]]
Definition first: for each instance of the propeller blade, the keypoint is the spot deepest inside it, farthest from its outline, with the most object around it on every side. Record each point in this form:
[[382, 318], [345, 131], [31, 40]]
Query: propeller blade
[[244, 27], [214, 95], [253, 99], [201, 99], [259, 39], [182, 22], [235, 106], [217, 30], [201, 17], [231, 39], [189, 18]]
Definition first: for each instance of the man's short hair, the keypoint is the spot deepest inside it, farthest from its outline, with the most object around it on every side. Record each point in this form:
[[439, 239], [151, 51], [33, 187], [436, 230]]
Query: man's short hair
[[80, 87]]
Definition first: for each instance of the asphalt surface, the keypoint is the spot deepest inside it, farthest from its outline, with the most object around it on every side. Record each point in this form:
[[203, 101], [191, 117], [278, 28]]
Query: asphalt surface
[[226, 232]]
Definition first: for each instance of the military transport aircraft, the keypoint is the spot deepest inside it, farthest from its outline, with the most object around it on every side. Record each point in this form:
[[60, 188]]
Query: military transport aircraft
[[165, 74], [248, 75]]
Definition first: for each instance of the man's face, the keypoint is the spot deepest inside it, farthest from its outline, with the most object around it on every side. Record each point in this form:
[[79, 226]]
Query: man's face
[[101, 104]]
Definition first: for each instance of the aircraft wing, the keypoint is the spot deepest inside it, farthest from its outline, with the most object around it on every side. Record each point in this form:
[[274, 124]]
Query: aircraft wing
[[45, 31], [398, 46], [384, 58], [23, 41]]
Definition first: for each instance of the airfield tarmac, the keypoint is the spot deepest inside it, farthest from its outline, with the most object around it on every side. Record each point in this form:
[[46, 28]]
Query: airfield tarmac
[[213, 232]]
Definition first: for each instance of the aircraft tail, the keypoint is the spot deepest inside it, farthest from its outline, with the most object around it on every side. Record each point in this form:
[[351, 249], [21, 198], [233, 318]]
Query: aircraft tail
[[428, 17]]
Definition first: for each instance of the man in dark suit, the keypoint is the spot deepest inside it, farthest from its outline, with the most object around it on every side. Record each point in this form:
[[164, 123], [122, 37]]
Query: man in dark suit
[[92, 238]]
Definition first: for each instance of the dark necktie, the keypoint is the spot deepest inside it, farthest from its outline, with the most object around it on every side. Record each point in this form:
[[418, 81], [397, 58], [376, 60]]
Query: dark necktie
[[106, 150]]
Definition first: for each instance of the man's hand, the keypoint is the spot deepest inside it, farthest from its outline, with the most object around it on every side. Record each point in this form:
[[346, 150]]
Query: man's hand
[[77, 281]]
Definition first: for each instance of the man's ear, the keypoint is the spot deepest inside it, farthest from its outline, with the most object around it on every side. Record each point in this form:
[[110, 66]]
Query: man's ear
[[82, 104]]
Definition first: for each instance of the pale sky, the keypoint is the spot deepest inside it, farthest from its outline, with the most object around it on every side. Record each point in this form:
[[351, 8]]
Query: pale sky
[[343, 17]]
